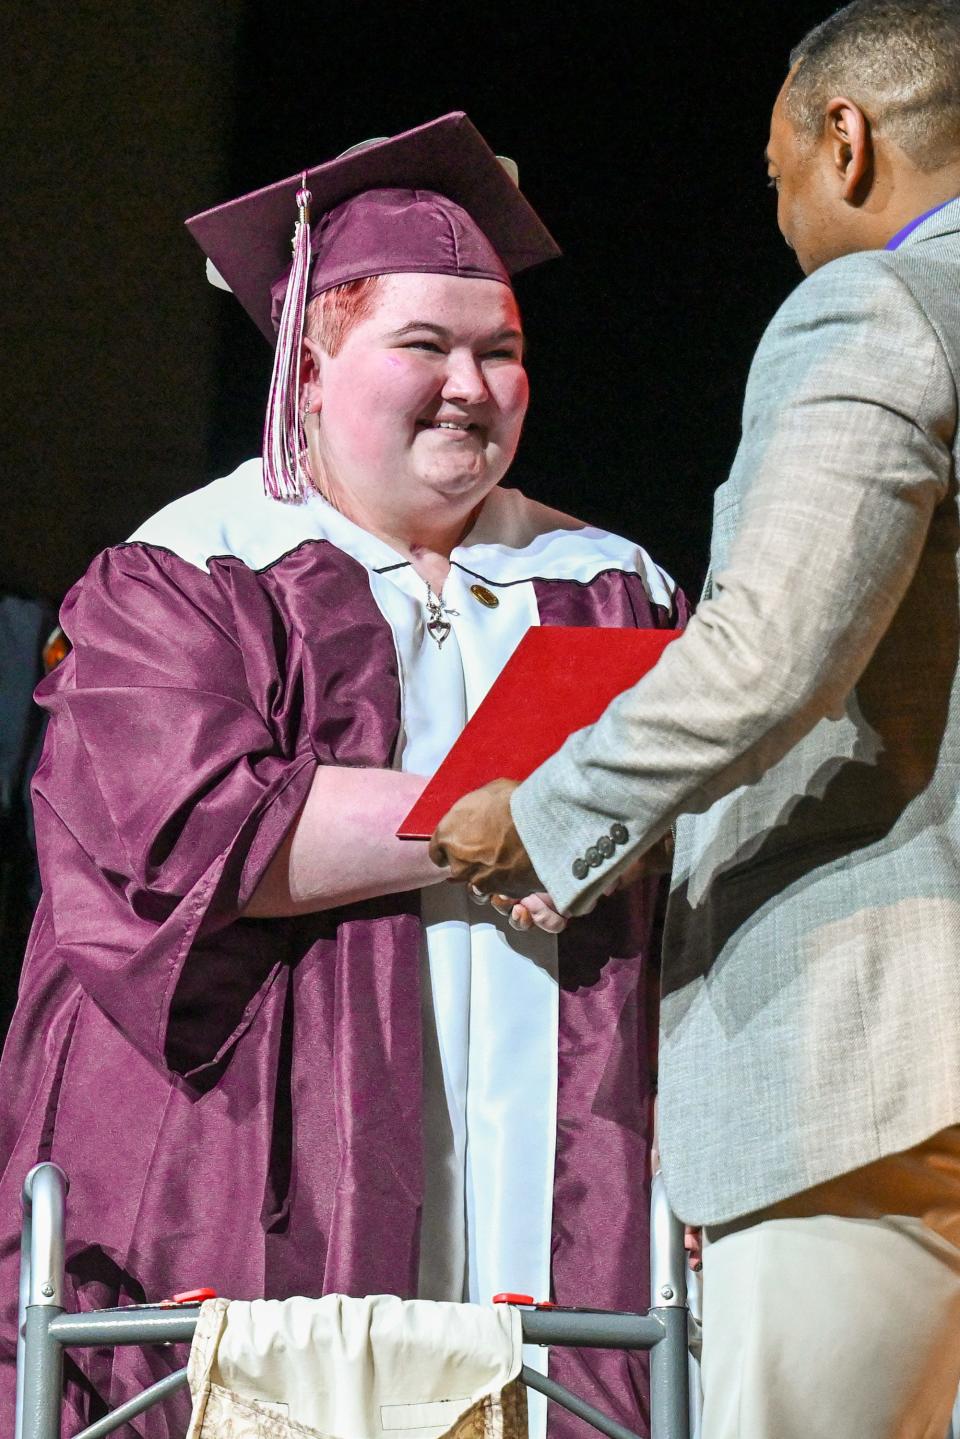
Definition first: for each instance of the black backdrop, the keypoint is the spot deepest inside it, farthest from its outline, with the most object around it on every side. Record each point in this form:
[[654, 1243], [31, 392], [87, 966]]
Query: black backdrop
[[639, 132]]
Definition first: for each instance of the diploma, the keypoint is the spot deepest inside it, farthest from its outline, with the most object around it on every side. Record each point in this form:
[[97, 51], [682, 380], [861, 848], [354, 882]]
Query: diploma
[[558, 680]]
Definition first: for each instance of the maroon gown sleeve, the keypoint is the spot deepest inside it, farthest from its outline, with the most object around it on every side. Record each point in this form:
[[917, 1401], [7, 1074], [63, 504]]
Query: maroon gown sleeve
[[173, 768]]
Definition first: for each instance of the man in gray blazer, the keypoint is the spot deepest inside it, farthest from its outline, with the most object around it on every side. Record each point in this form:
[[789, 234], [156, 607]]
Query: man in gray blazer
[[804, 738]]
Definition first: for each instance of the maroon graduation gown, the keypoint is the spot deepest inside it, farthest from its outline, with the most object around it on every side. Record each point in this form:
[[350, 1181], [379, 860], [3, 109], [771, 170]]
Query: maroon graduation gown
[[237, 1102]]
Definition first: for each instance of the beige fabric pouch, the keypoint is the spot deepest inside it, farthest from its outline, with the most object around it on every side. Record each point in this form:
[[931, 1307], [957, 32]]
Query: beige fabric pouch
[[341, 1368]]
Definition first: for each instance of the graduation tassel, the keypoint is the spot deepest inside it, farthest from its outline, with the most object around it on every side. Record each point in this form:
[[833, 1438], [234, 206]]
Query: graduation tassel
[[284, 443]]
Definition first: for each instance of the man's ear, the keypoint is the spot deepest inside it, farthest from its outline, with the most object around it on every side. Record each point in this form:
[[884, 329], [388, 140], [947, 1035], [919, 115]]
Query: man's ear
[[311, 366], [851, 141]]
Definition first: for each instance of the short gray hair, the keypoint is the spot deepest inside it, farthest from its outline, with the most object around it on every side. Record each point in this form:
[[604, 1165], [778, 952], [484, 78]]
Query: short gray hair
[[899, 59]]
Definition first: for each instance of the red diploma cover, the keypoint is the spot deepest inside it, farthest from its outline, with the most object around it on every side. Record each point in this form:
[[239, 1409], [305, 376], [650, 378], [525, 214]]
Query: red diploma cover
[[558, 680]]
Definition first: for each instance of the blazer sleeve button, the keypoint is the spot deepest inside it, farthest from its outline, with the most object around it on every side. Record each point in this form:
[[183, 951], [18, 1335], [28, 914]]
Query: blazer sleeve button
[[580, 869], [593, 857], [619, 833], [606, 846]]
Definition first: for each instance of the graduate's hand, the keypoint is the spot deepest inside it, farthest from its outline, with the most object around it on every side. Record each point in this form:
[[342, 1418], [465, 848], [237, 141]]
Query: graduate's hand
[[534, 910], [537, 910], [477, 839]]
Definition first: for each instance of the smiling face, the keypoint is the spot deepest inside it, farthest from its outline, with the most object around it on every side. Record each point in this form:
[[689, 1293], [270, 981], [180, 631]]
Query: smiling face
[[420, 411]]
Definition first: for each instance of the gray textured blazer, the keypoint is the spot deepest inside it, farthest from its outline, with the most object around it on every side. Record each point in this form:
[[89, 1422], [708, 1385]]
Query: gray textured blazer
[[804, 737]]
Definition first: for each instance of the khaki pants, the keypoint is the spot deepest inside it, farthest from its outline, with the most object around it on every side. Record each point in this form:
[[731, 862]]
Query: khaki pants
[[836, 1314]]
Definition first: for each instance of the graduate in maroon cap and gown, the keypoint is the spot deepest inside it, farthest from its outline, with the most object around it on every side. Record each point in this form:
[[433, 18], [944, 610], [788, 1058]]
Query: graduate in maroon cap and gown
[[274, 1052]]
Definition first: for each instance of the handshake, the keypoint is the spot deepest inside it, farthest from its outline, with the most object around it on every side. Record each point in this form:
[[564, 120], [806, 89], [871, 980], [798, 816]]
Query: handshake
[[479, 844]]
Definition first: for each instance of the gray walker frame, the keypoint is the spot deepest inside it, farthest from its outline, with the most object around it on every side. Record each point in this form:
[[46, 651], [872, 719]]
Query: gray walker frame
[[45, 1329]]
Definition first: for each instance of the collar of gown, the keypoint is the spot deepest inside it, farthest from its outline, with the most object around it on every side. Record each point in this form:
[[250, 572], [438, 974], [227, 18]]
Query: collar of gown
[[513, 540]]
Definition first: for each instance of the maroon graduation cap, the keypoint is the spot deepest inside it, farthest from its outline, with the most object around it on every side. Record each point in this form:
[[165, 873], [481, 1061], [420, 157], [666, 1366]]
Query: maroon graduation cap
[[435, 199]]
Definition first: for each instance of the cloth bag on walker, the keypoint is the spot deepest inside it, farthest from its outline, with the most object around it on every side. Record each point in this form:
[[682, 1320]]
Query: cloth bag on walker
[[341, 1368]]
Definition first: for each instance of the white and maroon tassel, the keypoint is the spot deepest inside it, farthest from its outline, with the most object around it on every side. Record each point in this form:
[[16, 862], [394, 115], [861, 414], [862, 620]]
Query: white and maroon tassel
[[284, 443]]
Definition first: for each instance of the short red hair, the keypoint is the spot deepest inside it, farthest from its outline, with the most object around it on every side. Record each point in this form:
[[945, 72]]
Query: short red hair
[[332, 315]]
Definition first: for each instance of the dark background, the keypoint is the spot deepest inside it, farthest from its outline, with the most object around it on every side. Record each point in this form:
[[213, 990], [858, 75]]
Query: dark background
[[639, 132]]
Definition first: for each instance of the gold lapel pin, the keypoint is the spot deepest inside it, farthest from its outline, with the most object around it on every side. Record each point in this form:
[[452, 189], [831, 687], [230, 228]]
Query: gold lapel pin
[[486, 597]]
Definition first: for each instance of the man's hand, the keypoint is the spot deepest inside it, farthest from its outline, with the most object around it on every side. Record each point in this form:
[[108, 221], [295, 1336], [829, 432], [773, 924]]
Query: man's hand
[[478, 841]]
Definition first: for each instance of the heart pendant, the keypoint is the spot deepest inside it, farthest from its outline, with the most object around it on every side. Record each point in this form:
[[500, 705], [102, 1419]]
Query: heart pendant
[[438, 628]]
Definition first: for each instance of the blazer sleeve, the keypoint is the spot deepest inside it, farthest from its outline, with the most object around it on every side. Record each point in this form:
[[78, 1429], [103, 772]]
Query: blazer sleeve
[[848, 423]]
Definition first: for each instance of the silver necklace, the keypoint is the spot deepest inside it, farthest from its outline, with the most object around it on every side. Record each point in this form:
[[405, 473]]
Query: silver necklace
[[438, 626]]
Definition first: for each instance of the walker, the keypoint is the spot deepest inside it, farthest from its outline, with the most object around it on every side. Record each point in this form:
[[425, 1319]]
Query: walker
[[45, 1329]]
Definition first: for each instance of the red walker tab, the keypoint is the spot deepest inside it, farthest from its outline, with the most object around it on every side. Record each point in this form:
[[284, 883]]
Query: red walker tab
[[190, 1296], [527, 1300]]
